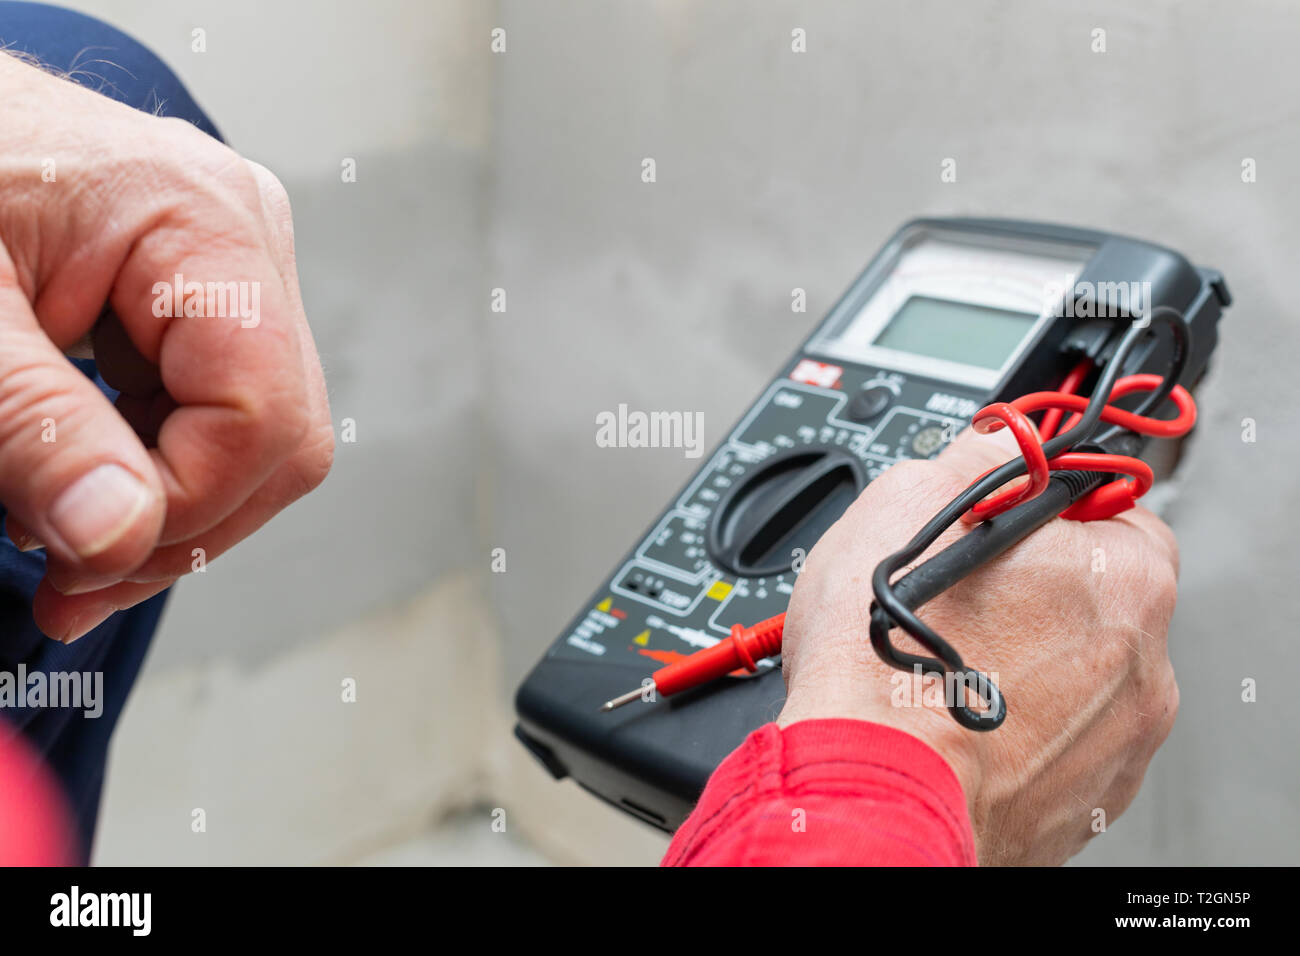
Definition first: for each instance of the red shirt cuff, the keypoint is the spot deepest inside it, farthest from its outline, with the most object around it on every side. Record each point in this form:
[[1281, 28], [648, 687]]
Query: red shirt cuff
[[829, 792]]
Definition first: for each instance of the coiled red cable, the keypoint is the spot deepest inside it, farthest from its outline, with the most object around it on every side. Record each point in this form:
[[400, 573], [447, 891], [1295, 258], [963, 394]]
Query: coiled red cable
[[1111, 498]]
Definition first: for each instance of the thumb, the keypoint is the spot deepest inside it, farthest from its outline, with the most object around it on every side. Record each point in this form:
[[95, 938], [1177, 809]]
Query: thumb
[[72, 472]]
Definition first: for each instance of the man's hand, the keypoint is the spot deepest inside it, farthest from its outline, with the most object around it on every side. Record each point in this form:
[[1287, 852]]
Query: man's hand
[[222, 422], [1071, 624]]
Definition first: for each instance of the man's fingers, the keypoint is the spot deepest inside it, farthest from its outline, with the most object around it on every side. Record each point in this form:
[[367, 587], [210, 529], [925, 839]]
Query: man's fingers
[[278, 216], [71, 470], [67, 617], [229, 349], [295, 478]]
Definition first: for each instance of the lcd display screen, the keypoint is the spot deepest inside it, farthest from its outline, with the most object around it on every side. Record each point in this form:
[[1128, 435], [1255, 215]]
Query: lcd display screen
[[956, 331]]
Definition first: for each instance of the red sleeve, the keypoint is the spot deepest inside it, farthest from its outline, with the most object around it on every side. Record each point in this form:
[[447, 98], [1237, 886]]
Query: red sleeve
[[36, 828], [828, 793]]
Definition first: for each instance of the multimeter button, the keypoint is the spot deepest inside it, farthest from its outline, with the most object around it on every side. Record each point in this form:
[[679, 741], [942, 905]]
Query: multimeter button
[[927, 441], [869, 402]]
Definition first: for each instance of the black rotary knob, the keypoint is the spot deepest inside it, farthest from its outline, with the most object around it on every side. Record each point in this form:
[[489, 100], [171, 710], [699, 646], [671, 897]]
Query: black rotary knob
[[868, 402], [786, 503]]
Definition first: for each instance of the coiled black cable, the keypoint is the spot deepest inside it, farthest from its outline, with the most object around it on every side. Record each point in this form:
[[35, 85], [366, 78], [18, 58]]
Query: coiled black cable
[[992, 537]]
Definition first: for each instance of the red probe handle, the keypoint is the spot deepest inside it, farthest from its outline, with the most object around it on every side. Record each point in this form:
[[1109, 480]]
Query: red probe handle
[[744, 649]]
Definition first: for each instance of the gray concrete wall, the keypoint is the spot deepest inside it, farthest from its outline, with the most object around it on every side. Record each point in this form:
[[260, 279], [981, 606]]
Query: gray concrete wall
[[778, 170], [476, 430]]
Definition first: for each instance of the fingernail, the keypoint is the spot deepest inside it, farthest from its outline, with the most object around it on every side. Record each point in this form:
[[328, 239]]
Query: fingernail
[[23, 539], [28, 542], [84, 623], [70, 584], [98, 509]]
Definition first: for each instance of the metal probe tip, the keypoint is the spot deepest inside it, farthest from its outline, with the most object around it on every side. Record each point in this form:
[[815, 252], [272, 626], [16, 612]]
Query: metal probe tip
[[621, 699]]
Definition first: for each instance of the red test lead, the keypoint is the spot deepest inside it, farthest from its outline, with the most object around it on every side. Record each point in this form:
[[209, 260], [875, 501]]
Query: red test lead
[[742, 650]]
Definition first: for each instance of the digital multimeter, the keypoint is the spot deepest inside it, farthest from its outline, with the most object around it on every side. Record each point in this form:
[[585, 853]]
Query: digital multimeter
[[952, 314]]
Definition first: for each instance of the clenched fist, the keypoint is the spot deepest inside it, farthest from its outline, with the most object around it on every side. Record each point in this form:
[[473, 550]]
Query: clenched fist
[[1071, 624], [176, 255]]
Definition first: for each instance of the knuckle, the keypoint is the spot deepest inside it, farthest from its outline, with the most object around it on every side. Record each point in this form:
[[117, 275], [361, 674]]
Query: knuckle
[[35, 393], [274, 198], [1165, 536], [314, 460], [195, 179], [1173, 698], [1163, 705], [272, 190], [1175, 559], [276, 423], [177, 132], [1163, 590], [1159, 531], [243, 185], [214, 169], [31, 391], [192, 156], [287, 424]]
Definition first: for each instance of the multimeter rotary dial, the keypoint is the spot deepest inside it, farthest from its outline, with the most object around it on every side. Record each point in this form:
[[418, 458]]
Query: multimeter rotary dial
[[782, 507]]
